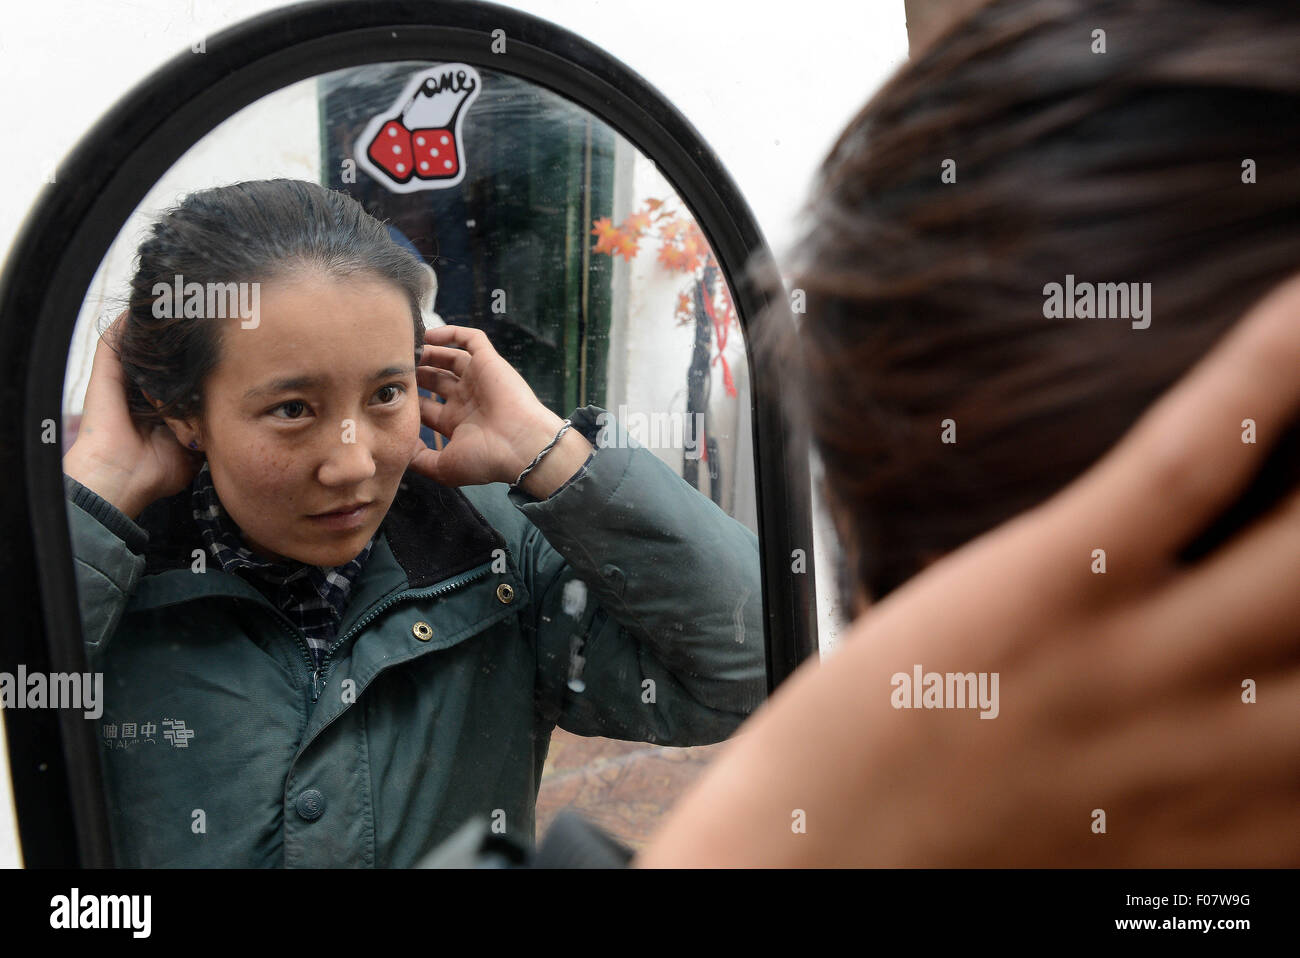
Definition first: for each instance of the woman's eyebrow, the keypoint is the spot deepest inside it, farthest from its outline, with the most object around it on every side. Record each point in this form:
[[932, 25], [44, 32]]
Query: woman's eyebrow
[[307, 382]]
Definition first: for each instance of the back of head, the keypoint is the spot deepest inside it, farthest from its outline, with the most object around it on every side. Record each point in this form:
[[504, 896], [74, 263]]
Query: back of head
[[1034, 150]]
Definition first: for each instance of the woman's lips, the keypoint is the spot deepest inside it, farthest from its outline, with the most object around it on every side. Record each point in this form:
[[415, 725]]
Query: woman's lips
[[344, 520]]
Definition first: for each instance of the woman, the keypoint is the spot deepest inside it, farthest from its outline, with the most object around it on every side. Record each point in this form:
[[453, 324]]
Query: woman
[[1138, 611], [317, 649]]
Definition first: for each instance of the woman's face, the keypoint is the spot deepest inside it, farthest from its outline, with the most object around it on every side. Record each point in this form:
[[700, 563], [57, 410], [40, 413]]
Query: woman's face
[[313, 409]]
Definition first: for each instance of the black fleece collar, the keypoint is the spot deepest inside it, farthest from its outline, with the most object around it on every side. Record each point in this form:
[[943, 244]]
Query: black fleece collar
[[433, 530]]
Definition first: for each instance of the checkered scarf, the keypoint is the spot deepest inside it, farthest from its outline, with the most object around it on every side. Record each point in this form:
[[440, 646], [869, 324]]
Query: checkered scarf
[[313, 597]]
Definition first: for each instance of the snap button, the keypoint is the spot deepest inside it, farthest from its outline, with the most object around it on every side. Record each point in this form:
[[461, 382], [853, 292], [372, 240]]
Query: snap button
[[311, 804], [422, 631], [506, 592], [614, 576]]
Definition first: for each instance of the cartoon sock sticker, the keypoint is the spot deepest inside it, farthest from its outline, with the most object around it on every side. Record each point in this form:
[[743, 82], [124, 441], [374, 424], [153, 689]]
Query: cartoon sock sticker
[[416, 144]]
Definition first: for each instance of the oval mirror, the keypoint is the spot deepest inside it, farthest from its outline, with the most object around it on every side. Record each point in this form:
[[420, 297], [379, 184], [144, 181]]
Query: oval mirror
[[239, 674]]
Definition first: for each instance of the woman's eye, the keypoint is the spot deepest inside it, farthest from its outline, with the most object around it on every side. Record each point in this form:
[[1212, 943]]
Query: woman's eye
[[293, 403], [299, 404]]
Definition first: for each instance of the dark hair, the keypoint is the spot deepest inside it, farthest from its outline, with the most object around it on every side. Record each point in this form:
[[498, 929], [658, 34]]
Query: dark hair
[[925, 299], [247, 232]]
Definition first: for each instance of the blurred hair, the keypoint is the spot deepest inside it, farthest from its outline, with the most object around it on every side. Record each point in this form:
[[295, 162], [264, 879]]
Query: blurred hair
[[925, 299], [254, 231]]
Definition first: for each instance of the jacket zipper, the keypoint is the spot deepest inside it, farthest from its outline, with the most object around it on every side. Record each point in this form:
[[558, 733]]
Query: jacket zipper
[[318, 671]]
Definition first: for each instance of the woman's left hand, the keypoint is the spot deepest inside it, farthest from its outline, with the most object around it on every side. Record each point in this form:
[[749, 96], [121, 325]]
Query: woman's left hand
[[494, 421]]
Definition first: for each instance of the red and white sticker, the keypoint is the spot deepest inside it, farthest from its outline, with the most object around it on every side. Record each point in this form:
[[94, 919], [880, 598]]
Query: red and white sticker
[[416, 144]]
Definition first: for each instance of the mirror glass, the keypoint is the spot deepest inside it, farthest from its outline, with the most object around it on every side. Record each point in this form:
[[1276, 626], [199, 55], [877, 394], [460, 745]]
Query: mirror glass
[[487, 655]]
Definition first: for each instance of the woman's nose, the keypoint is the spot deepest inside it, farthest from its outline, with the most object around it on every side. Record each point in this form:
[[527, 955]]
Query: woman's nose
[[350, 459]]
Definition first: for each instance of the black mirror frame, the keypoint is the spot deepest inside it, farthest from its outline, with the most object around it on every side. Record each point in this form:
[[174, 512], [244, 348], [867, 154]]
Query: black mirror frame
[[53, 754]]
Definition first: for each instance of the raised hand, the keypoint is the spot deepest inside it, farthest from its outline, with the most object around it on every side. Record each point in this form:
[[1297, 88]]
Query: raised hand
[[494, 421], [128, 464], [1164, 696]]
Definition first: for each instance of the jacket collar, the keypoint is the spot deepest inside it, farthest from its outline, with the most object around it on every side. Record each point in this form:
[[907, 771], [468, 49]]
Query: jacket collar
[[433, 531]]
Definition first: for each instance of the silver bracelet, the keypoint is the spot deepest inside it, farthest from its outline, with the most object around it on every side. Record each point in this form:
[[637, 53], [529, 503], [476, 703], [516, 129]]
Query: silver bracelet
[[549, 446]]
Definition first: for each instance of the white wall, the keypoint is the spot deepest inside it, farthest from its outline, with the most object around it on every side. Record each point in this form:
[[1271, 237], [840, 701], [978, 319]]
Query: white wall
[[650, 352], [240, 148], [768, 86]]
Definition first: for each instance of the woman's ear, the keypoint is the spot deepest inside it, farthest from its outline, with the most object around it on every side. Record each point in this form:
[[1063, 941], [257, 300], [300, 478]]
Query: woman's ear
[[186, 431]]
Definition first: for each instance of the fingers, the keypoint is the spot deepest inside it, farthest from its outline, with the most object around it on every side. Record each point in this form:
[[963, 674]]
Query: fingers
[[1240, 605], [1185, 460], [465, 337], [436, 416], [439, 381], [107, 349], [425, 462], [455, 361], [106, 391], [115, 328]]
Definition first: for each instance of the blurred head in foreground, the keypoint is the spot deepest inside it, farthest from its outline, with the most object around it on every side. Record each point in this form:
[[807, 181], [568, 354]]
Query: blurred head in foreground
[[1021, 241]]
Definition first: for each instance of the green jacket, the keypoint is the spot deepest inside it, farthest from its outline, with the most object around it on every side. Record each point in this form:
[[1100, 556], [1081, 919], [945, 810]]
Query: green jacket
[[453, 663]]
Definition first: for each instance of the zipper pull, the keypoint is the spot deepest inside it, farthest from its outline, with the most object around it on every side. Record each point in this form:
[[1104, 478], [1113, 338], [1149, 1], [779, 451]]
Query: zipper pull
[[315, 684], [576, 662]]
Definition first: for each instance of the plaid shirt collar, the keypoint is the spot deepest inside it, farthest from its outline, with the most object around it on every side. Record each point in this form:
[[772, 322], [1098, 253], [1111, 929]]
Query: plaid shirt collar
[[313, 597]]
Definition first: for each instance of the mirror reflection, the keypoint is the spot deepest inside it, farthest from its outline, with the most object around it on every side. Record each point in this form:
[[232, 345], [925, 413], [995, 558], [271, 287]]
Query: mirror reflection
[[410, 482]]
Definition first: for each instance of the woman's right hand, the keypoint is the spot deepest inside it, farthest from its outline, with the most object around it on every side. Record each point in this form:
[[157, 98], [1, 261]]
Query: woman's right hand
[[128, 464], [1128, 734]]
